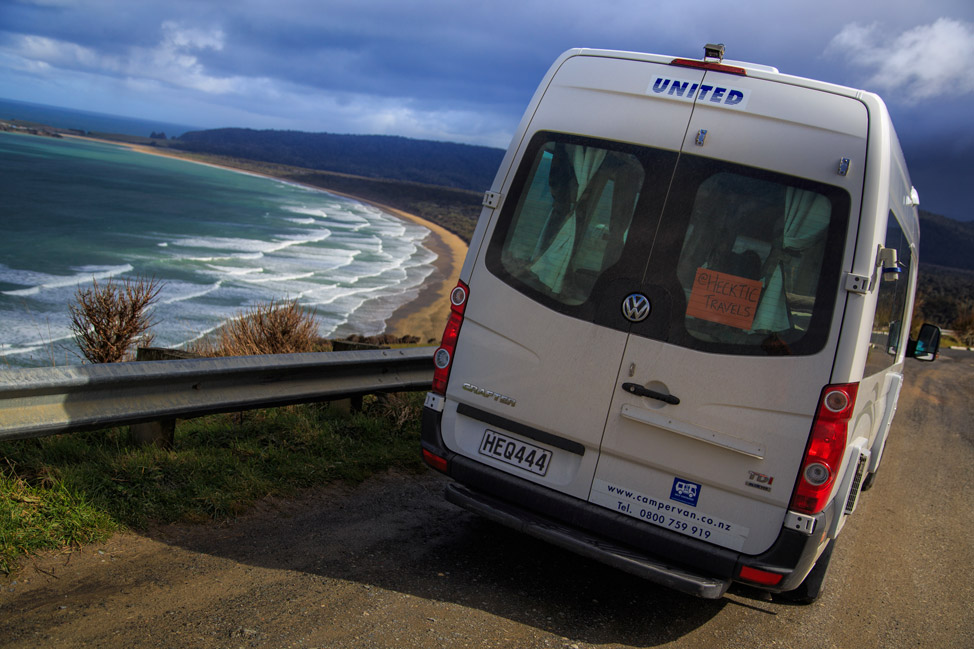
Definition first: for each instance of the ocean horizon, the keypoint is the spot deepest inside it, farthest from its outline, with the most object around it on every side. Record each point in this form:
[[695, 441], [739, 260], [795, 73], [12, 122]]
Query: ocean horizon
[[219, 241], [87, 121]]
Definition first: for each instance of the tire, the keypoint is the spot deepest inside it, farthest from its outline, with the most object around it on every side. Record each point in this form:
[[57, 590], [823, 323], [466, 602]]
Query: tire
[[811, 587]]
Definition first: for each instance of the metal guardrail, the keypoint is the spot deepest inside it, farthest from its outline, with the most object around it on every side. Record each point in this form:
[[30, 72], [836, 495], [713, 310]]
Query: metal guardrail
[[35, 402]]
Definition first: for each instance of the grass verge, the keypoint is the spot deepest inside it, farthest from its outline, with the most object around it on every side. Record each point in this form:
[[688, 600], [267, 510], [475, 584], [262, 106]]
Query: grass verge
[[78, 488]]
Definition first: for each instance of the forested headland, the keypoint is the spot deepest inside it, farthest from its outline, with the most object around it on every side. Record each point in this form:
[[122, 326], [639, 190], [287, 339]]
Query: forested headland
[[447, 164]]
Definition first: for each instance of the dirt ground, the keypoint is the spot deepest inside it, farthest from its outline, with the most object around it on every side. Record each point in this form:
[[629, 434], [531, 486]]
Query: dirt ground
[[391, 564]]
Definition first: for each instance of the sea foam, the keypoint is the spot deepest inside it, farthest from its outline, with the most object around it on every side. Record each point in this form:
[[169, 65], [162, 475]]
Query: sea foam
[[216, 242]]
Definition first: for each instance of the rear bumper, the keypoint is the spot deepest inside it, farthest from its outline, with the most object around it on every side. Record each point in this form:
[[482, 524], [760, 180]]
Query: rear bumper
[[657, 554], [556, 533]]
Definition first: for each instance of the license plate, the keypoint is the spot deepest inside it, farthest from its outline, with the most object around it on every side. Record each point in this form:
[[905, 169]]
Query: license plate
[[515, 452]]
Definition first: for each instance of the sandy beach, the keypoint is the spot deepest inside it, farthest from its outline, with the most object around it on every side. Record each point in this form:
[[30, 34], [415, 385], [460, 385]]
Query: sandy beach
[[426, 315]]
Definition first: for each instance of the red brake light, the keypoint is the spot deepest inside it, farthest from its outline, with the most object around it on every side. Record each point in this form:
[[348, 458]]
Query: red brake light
[[709, 65], [758, 576], [826, 448], [443, 357], [435, 461]]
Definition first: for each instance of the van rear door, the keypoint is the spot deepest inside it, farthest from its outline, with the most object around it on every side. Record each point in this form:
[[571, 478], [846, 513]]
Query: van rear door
[[533, 379], [717, 388], [656, 307]]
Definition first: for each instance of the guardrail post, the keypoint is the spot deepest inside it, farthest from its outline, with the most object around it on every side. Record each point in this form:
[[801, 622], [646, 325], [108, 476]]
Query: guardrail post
[[351, 404], [160, 433]]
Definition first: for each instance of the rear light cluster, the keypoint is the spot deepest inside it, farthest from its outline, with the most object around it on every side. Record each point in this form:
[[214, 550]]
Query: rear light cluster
[[826, 448], [443, 358]]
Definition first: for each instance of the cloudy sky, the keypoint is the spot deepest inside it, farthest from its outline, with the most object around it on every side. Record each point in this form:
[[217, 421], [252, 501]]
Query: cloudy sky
[[463, 70]]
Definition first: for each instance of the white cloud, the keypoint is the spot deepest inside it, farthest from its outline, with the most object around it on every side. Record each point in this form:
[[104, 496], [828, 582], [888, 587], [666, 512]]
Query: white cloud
[[173, 61], [924, 62], [303, 108], [55, 52], [176, 37]]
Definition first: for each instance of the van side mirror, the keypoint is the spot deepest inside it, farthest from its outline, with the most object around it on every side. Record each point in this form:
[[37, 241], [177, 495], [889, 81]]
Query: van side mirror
[[926, 345]]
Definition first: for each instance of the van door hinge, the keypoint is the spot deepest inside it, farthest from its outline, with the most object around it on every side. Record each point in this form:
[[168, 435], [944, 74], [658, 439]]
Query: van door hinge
[[857, 283], [492, 199]]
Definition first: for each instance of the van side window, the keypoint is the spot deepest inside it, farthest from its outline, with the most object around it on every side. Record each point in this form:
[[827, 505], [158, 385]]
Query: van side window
[[751, 261], [572, 219], [887, 330]]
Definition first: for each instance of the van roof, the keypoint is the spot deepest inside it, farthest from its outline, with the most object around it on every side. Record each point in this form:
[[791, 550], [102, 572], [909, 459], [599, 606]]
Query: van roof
[[755, 70]]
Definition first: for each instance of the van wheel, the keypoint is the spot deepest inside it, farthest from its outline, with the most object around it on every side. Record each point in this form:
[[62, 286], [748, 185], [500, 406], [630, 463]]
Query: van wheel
[[811, 588]]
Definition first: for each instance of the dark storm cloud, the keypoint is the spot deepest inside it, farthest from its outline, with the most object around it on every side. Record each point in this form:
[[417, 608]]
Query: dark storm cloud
[[461, 70]]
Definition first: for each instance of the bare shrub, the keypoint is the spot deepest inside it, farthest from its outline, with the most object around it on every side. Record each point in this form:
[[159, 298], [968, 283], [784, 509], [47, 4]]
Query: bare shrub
[[269, 328], [398, 408], [107, 319], [205, 346], [964, 327]]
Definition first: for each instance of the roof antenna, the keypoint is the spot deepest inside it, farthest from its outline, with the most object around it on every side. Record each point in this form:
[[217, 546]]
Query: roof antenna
[[712, 52]]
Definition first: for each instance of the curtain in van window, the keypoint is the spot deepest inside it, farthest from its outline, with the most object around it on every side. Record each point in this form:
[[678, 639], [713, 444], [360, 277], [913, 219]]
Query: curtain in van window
[[552, 265], [804, 225]]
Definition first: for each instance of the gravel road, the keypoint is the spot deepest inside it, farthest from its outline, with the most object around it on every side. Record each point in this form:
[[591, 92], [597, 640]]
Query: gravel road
[[391, 564]]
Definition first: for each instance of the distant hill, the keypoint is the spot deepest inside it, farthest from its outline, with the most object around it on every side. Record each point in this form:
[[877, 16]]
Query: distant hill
[[447, 164], [946, 242], [945, 293]]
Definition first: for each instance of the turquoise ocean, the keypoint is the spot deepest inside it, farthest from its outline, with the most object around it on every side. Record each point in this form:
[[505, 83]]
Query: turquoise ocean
[[73, 211]]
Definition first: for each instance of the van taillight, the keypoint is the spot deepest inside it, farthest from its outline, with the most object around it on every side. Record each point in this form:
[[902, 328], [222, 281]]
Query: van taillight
[[759, 576], [826, 448], [439, 463], [443, 357]]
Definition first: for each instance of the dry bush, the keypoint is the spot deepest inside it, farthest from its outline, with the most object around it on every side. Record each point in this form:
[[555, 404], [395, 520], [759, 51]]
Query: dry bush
[[107, 319], [205, 346], [963, 327], [398, 408], [269, 328]]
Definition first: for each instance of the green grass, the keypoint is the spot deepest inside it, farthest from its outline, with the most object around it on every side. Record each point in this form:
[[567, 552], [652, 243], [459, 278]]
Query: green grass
[[947, 341], [78, 488]]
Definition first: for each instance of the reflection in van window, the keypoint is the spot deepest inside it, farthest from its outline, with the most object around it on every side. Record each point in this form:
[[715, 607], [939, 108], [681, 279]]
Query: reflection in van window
[[572, 220], [751, 261]]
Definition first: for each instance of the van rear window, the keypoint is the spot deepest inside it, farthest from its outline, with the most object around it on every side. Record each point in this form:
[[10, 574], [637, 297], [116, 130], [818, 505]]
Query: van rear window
[[572, 219], [751, 259], [733, 259]]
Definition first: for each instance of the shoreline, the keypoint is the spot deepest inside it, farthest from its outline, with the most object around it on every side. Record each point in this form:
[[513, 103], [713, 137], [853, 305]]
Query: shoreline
[[426, 315]]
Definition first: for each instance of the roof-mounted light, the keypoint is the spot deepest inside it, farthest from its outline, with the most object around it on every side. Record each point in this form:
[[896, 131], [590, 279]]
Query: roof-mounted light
[[712, 52]]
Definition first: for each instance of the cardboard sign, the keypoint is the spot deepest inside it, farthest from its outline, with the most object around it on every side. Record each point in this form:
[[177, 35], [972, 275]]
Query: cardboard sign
[[724, 298]]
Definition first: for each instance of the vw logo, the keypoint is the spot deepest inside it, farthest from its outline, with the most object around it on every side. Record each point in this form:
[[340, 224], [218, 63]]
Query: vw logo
[[636, 307]]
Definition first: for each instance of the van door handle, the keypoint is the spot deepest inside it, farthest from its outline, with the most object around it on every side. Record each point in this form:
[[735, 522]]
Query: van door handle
[[640, 391]]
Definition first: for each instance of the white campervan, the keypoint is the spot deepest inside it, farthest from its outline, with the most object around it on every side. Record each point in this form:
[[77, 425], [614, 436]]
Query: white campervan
[[679, 333]]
